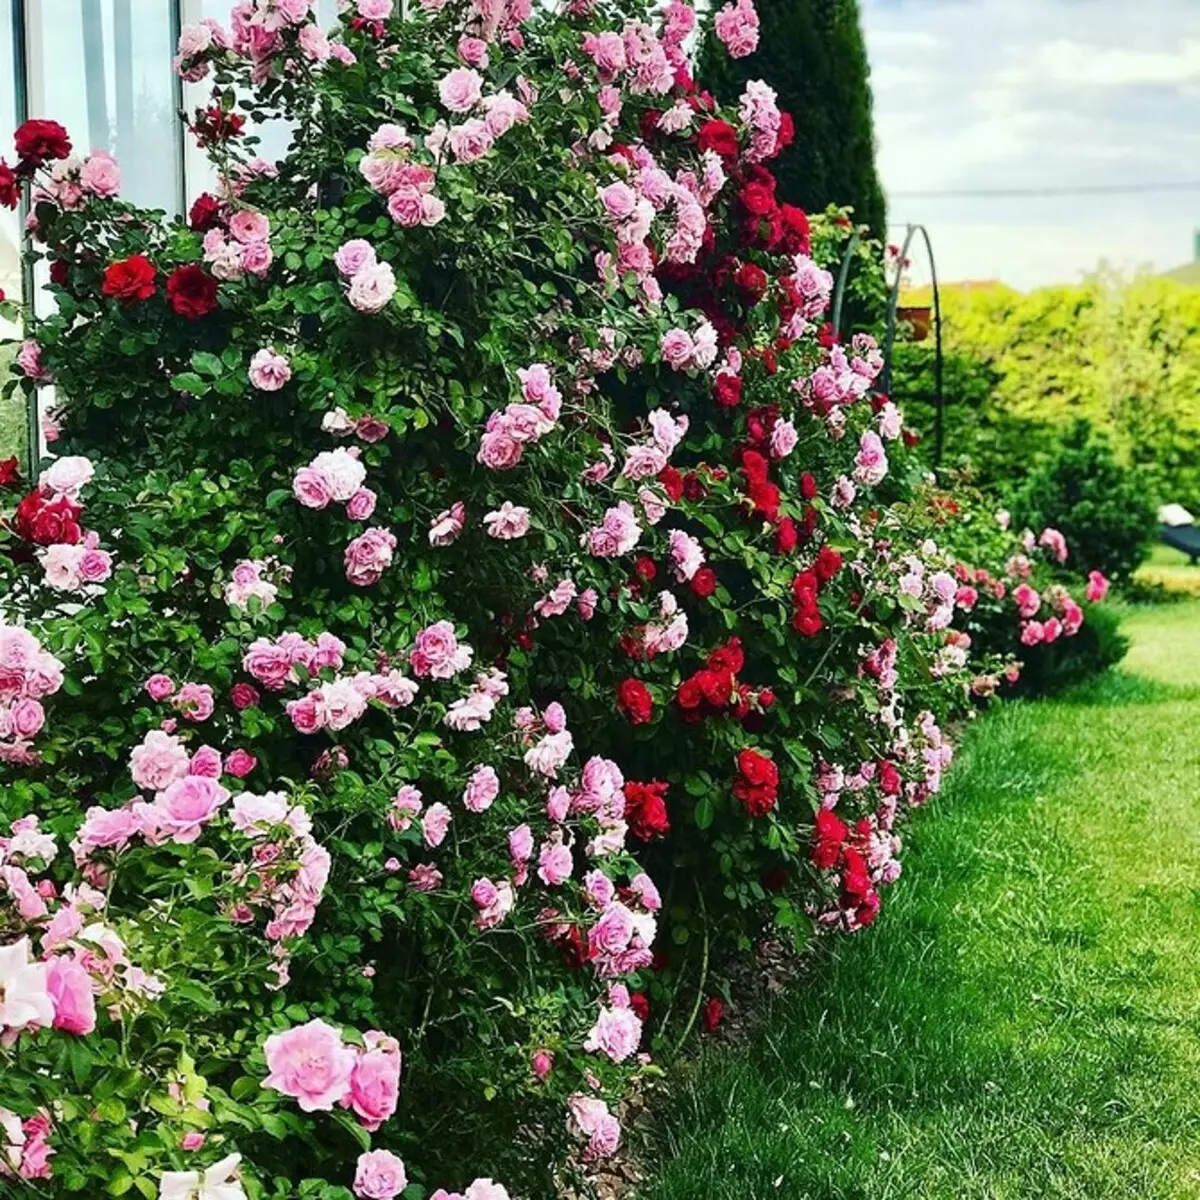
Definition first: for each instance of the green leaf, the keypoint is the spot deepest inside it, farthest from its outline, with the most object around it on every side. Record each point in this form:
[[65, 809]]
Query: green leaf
[[208, 364], [704, 813]]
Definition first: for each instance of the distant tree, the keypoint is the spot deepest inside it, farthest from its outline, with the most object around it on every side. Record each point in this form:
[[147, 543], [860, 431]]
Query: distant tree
[[812, 53]]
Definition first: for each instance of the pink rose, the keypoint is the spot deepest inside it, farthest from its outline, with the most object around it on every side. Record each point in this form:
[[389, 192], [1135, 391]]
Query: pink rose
[[247, 226], [206, 762], [195, 701], [499, 450], [368, 555], [269, 663], [183, 808], [269, 371], [159, 687], [473, 51], [305, 714], [616, 1034], [100, 174], [353, 256], [312, 488], [435, 825], [361, 505], [26, 718], [461, 89], [425, 877], [482, 789], [239, 763], [380, 1175], [436, 653], [555, 864], [374, 1087], [507, 522], [158, 761], [70, 987], [404, 207], [372, 287], [309, 1063], [471, 140]]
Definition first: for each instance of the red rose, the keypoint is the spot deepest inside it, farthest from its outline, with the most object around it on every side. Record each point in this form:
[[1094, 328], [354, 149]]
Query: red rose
[[704, 582], [60, 272], [727, 388], [808, 622], [766, 698], [644, 567], [10, 186], [689, 696], [786, 134], [672, 482], [40, 141], [910, 437], [808, 486], [646, 810], [868, 910], [715, 686], [804, 589], [713, 1011], [828, 564], [757, 783], [729, 657], [889, 779], [765, 499], [795, 236], [829, 837], [45, 521], [130, 279], [757, 199], [754, 466], [192, 292], [856, 879], [751, 280], [719, 136], [786, 536], [640, 1003], [10, 472], [205, 213], [634, 701]]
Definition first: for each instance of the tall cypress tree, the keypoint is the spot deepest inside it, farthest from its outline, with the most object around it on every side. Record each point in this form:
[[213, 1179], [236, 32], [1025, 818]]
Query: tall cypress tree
[[812, 53]]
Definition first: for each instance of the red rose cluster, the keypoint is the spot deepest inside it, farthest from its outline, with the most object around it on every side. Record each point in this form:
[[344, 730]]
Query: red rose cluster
[[46, 519], [835, 848], [757, 784], [715, 690], [38, 142], [646, 810], [807, 586]]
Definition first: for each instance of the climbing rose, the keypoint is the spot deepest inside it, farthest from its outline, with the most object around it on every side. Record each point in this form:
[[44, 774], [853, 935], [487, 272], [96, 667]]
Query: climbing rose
[[269, 371], [191, 292], [380, 1175], [309, 1063], [130, 279], [634, 701]]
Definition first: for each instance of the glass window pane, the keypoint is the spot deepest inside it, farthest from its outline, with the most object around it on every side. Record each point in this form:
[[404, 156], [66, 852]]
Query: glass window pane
[[103, 69]]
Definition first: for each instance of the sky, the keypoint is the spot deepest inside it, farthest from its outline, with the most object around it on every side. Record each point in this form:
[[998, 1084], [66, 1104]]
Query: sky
[[975, 95]]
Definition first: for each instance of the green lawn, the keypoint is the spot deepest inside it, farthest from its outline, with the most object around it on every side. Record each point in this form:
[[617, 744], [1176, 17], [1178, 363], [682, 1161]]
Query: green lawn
[[1024, 1021], [1171, 569]]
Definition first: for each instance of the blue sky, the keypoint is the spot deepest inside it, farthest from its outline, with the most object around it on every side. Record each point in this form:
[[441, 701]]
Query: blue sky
[[996, 94]]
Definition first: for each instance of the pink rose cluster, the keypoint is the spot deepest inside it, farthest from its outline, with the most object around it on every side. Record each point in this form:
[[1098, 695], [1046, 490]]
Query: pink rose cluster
[[618, 1029], [335, 476], [617, 534], [25, 1149], [370, 284], [684, 351], [736, 27], [249, 582], [28, 674], [312, 1064], [369, 555], [521, 423], [72, 568], [437, 653], [72, 180], [340, 702], [241, 246], [289, 868], [474, 710], [589, 1118], [275, 662], [461, 92], [389, 169], [665, 634]]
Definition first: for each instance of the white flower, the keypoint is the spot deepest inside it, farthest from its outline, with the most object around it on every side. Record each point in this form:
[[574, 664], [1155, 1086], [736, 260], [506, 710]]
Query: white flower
[[217, 1183]]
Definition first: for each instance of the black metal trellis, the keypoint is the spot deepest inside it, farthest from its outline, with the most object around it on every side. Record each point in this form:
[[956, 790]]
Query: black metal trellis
[[939, 393]]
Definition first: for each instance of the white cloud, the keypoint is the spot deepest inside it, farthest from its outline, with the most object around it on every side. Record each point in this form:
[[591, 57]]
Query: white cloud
[[986, 95]]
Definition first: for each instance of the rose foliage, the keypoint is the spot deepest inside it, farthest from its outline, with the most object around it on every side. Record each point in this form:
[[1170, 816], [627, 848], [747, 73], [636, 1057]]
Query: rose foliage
[[459, 616]]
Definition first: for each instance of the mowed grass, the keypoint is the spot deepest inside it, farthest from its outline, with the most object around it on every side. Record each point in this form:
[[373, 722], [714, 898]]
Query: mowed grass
[[1024, 1021]]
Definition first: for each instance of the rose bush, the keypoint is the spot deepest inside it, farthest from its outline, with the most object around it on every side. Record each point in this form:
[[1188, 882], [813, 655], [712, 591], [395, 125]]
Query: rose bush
[[466, 607]]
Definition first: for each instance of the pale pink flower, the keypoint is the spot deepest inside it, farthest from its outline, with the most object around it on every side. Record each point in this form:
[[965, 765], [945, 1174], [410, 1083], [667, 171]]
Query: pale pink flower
[[437, 653], [461, 89], [435, 824], [158, 761], [380, 1174], [269, 371], [555, 863], [24, 995], [507, 522], [311, 1064]]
